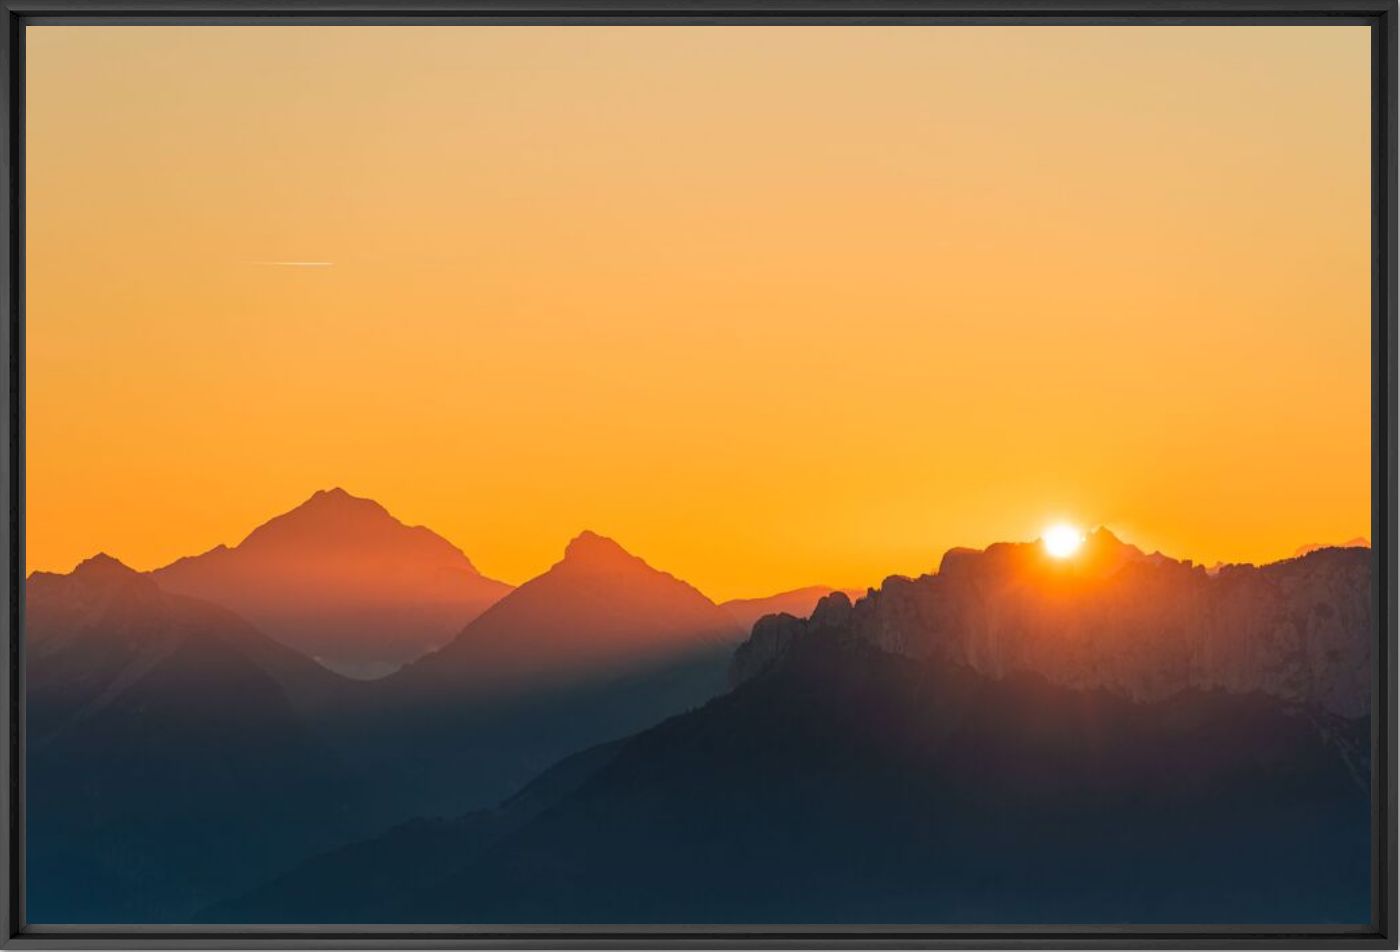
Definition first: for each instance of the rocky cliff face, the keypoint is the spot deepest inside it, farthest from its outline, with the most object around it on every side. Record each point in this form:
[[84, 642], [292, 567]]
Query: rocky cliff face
[[1144, 626]]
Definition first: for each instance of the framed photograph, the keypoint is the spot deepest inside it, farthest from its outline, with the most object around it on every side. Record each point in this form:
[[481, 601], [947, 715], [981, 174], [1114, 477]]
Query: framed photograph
[[721, 473]]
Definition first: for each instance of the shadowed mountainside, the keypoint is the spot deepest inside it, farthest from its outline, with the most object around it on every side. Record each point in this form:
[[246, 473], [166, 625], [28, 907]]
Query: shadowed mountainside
[[170, 756], [343, 581], [849, 785]]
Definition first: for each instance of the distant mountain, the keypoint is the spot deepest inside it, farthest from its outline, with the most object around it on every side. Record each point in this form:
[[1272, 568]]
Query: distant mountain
[[341, 580], [171, 751], [598, 647], [799, 603], [844, 784], [1357, 543], [1145, 626], [597, 611]]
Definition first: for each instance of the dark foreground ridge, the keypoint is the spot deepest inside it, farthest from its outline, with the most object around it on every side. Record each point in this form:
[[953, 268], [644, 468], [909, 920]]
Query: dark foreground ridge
[[845, 784]]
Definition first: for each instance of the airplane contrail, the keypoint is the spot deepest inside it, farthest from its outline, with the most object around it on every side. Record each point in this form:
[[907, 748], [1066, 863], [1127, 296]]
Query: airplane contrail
[[297, 264]]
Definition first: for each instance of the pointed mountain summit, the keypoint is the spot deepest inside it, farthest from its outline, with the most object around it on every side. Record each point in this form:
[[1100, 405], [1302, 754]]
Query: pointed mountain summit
[[342, 580], [600, 608], [591, 552], [101, 568]]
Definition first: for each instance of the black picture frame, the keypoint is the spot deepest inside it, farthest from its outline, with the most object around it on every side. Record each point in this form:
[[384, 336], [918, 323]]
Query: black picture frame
[[1379, 15]]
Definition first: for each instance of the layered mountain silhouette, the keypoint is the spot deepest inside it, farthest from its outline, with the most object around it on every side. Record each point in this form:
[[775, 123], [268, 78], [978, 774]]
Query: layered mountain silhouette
[[170, 752], [846, 785], [341, 580], [798, 602], [1118, 735], [137, 693], [1145, 626]]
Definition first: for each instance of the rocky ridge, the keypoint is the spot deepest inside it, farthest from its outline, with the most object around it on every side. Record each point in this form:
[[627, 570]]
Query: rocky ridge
[[1112, 617]]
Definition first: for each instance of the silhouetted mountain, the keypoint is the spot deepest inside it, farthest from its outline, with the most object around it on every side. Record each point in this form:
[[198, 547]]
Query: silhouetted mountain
[[597, 647], [341, 580], [844, 785], [170, 755], [799, 603], [599, 609], [1145, 626]]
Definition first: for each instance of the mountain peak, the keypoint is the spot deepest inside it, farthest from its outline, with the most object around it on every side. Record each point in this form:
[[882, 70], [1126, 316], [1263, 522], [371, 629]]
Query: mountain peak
[[336, 494], [342, 579], [337, 499], [336, 517], [1102, 536], [104, 568], [1105, 548], [590, 548]]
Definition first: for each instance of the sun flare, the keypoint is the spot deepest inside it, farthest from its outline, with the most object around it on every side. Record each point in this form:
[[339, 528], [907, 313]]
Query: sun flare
[[1062, 540]]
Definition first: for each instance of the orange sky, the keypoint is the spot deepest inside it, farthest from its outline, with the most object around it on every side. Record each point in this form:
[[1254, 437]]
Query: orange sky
[[771, 306]]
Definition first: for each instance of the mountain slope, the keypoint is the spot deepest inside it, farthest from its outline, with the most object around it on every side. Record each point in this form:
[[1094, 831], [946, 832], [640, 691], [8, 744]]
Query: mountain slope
[[171, 751], [412, 856], [848, 785], [599, 646], [340, 579], [599, 609]]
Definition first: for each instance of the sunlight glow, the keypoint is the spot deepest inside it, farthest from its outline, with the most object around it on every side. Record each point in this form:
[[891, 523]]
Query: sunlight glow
[[1062, 540]]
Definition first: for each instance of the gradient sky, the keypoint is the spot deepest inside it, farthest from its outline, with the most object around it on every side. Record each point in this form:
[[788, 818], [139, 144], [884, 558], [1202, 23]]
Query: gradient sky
[[772, 306]]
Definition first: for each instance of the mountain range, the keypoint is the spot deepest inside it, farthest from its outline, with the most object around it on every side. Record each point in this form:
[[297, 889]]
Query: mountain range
[[343, 581], [1145, 626], [136, 692], [1003, 740]]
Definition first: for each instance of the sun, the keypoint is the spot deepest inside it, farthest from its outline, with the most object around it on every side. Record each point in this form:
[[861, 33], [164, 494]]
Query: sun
[[1062, 540]]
